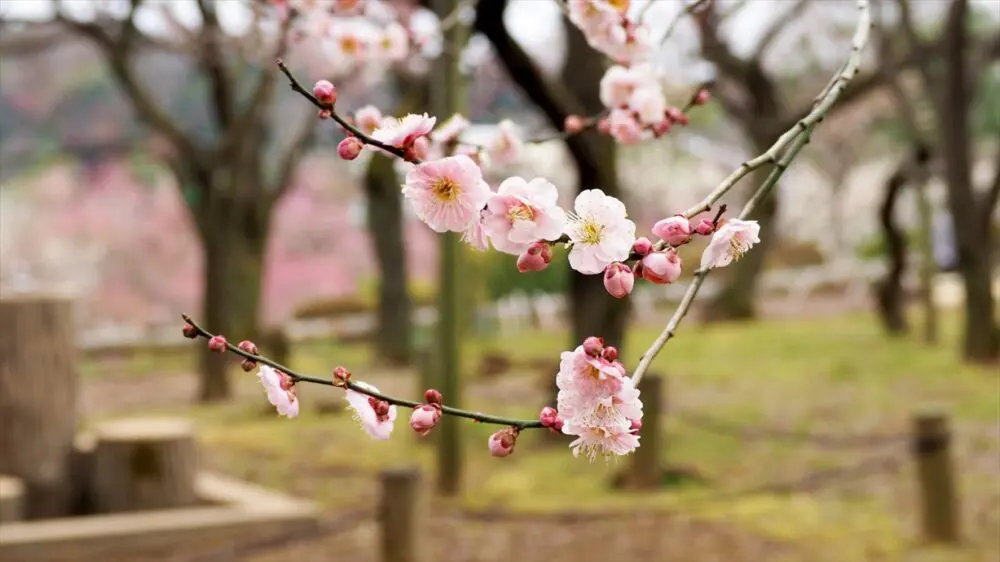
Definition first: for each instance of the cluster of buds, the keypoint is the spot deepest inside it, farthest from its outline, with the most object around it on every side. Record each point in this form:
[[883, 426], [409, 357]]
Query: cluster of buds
[[658, 266], [249, 347], [549, 418], [426, 416]]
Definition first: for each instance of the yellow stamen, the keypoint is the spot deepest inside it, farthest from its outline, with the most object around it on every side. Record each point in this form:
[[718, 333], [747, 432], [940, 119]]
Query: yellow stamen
[[591, 232], [446, 190], [521, 212]]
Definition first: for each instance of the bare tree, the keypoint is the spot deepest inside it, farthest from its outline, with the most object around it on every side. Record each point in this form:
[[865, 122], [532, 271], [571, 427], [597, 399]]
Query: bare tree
[[950, 67], [594, 310], [232, 181]]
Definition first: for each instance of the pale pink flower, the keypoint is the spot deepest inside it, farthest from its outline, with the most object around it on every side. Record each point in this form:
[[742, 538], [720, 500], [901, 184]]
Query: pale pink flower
[[403, 132], [376, 417], [593, 16], [348, 42], [280, 391], [604, 441], [367, 119], [507, 146], [348, 7], [584, 379], [629, 44], [393, 43], [617, 86], [609, 410], [624, 127], [649, 104], [447, 194], [600, 231], [522, 212], [475, 234], [450, 130], [674, 230], [731, 240]]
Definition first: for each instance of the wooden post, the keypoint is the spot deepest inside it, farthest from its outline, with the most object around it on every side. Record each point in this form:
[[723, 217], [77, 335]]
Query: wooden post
[[647, 472], [399, 534], [38, 394], [11, 499], [938, 500], [141, 464]]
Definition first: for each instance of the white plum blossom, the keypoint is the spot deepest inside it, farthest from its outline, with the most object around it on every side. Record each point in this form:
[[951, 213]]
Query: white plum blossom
[[600, 231], [730, 241], [280, 391], [376, 417]]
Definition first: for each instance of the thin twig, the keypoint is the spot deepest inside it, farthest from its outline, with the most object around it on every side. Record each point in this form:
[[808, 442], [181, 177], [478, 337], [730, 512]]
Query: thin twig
[[686, 11], [297, 87], [300, 377]]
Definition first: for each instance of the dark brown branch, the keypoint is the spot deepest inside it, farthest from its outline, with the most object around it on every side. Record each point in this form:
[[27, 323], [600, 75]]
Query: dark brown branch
[[554, 101], [297, 87], [779, 25], [211, 60]]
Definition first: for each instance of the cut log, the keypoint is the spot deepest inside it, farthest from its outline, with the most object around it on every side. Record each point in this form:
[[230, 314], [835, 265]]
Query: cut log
[[38, 394], [142, 464]]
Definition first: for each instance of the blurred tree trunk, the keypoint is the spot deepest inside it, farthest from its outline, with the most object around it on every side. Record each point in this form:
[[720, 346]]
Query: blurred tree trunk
[[889, 290], [595, 312], [970, 217], [386, 226]]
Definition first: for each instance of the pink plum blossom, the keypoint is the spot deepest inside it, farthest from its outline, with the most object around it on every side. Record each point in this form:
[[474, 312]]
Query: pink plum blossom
[[447, 194], [731, 240], [600, 232], [424, 418], [376, 417], [280, 391], [367, 119], [392, 44], [522, 212], [450, 130], [506, 147], [624, 127], [403, 132]]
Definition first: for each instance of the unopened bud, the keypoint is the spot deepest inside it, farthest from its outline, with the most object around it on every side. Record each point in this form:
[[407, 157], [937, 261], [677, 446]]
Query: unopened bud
[[432, 396], [548, 416], [325, 114], [675, 230], [677, 116], [325, 92], [702, 97], [636, 426], [573, 125], [190, 332], [610, 353], [419, 149], [249, 347], [381, 408], [618, 280], [248, 365], [642, 246], [557, 425], [593, 346], [661, 267], [350, 148], [217, 344], [502, 442], [661, 128], [535, 258], [604, 126], [424, 418], [704, 227], [340, 376]]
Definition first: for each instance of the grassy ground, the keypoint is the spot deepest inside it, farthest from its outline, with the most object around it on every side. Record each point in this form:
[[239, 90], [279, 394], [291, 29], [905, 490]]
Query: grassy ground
[[837, 376]]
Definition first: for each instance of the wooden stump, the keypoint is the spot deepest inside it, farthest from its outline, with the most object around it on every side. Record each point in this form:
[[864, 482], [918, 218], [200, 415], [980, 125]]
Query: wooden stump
[[400, 516], [647, 472], [38, 393], [141, 464], [11, 499]]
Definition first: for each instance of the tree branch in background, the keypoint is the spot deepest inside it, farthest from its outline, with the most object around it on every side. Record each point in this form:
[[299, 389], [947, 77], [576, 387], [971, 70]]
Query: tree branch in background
[[212, 62], [777, 26], [555, 101], [293, 155]]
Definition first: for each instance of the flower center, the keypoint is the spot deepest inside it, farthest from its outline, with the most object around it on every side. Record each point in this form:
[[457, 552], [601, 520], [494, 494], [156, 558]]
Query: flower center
[[620, 6], [590, 232], [737, 247], [349, 45], [521, 212], [445, 190]]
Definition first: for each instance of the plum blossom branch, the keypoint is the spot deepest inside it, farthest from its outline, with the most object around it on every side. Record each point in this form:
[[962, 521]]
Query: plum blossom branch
[[781, 155], [198, 331], [351, 129]]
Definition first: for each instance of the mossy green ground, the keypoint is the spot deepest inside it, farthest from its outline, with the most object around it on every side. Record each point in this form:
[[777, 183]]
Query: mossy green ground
[[838, 376]]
